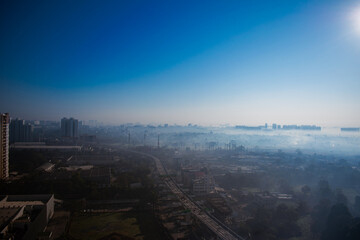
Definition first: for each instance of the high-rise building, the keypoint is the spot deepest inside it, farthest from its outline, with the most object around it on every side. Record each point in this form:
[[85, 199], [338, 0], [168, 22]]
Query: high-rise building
[[20, 131], [4, 145], [69, 128]]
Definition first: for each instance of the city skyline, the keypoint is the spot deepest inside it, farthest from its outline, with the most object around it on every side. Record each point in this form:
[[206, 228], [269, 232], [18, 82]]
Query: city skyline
[[203, 63], [28, 124]]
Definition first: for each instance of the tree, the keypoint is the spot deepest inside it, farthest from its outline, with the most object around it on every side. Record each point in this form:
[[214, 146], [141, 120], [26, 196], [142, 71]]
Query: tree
[[338, 222], [319, 216], [285, 221], [324, 189], [341, 198], [357, 205], [354, 230], [302, 208]]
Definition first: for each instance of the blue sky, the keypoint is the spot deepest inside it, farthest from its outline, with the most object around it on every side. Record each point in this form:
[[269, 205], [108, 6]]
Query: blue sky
[[208, 62]]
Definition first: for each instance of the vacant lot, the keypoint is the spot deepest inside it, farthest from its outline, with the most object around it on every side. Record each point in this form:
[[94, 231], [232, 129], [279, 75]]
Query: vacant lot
[[101, 225]]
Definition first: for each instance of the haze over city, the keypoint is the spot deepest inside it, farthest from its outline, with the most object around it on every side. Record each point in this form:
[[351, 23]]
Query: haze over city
[[180, 120], [203, 62]]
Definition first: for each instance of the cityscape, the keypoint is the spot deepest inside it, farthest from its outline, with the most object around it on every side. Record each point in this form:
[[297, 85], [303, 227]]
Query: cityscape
[[180, 120], [184, 182]]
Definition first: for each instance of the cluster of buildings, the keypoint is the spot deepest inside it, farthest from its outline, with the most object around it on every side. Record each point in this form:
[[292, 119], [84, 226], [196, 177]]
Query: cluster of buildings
[[20, 131], [243, 127], [69, 128], [350, 129], [20, 134], [197, 181], [176, 219], [25, 216], [302, 127], [277, 127], [21, 216]]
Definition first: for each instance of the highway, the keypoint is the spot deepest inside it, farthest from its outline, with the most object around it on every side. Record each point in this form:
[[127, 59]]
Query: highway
[[211, 222]]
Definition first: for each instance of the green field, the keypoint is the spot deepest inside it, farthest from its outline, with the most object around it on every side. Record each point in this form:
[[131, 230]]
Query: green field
[[101, 225]]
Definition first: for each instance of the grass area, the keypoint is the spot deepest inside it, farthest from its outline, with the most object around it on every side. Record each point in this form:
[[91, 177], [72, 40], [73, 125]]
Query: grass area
[[98, 226], [149, 226]]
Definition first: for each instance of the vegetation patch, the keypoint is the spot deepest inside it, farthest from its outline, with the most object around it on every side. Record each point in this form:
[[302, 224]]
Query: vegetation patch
[[99, 226]]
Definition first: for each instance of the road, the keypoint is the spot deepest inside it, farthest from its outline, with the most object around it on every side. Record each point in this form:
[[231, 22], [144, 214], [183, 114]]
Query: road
[[219, 229]]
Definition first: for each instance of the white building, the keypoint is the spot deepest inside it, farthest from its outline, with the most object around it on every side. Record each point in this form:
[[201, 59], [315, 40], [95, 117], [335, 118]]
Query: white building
[[4, 145], [203, 185]]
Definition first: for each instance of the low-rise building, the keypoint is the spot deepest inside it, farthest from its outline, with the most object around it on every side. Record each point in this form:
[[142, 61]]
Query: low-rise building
[[203, 185], [47, 167], [25, 216]]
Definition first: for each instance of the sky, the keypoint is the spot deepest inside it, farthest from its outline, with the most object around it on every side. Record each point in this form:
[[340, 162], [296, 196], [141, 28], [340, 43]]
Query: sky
[[201, 62]]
